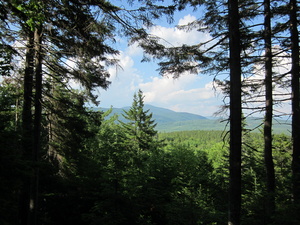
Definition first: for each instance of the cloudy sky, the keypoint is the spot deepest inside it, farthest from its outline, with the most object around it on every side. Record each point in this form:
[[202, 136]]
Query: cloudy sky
[[189, 93]]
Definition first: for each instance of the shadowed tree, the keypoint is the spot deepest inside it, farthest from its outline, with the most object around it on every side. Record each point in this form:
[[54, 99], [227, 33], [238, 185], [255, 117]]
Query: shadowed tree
[[295, 70], [235, 116], [42, 30], [269, 164]]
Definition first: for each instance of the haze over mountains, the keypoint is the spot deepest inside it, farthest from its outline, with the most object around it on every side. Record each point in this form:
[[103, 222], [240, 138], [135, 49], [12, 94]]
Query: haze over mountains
[[168, 120]]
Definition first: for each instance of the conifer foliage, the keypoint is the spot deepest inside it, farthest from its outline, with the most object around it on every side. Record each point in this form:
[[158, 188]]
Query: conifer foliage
[[140, 127], [62, 163]]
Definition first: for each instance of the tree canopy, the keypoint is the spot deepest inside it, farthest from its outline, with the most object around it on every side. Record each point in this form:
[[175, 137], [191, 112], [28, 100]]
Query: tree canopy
[[65, 163]]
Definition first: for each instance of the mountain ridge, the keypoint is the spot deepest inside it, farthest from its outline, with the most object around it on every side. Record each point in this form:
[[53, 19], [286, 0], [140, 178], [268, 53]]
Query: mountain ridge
[[159, 114], [170, 121]]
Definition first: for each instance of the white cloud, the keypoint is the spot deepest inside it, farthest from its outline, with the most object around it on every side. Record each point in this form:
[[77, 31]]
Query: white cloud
[[282, 65], [134, 50], [189, 93], [172, 36], [175, 36], [187, 19], [178, 94], [124, 82]]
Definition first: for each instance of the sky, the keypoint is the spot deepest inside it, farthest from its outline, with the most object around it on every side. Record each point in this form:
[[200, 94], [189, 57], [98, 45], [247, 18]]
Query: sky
[[189, 93], [193, 93]]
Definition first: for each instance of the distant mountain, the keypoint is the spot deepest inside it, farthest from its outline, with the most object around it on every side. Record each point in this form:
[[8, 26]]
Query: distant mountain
[[160, 115], [168, 120]]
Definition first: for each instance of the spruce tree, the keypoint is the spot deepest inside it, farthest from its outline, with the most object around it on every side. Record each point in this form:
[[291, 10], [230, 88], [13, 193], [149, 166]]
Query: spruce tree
[[268, 149], [295, 70], [140, 127], [235, 114], [42, 30]]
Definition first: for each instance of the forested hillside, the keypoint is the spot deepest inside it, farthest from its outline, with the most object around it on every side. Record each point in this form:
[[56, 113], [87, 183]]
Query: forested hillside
[[169, 121], [214, 146], [127, 173], [63, 163], [161, 115]]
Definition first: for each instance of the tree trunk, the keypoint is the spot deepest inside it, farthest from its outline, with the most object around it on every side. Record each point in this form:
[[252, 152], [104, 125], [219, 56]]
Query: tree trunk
[[235, 115], [295, 103], [27, 128], [268, 157], [31, 143], [37, 122]]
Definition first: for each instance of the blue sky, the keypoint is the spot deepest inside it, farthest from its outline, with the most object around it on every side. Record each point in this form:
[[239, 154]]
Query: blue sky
[[189, 93]]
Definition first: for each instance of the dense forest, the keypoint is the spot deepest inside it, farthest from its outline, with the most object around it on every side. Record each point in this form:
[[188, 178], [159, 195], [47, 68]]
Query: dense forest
[[64, 163], [114, 172]]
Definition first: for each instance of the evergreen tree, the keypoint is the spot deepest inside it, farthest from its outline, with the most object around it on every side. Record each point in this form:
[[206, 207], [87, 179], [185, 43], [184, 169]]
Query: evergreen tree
[[34, 18], [235, 113], [140, 128], [295, 70], [11, 168], [268, 149]]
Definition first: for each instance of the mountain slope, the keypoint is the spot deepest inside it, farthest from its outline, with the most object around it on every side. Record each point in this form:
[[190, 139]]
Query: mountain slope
[[168, 121], [160, 115]]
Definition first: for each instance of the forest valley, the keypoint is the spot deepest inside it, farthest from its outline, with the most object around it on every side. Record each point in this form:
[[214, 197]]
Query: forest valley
[[94, 170], [62, 162]]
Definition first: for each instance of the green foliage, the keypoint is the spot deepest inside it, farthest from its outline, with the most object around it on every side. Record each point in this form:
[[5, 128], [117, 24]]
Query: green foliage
[[193, 187], [6, 53], [140, 128], [33, 10], [253, 172], [96, 170], [171, 186], [106, 177], [10, 163], [68, 166]]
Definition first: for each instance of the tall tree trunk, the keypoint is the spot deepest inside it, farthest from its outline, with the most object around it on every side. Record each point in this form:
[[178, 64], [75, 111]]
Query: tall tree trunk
[[37, 122], [268, 157], [27, 128], [53, 154], [295, 102], [235, 115]]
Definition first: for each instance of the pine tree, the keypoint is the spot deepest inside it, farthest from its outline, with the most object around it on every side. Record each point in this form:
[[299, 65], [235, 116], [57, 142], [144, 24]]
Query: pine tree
[[235, 114], [295, 70], [140, 128], [34, 19], [11, 168], [268, 149]]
